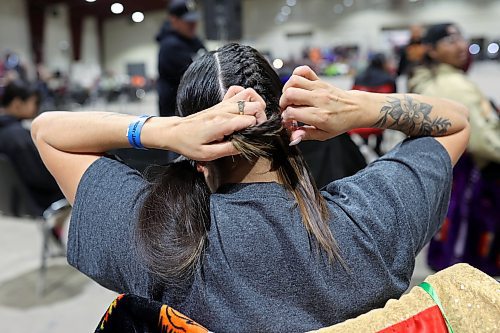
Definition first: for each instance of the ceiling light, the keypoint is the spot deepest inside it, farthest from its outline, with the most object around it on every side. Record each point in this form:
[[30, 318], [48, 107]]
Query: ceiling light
[[291, 3], [278, 63], [348, 3], [493, 48], [90, 0], [117, 8], [474, 49], [280, 18], [285, 10], [137, 17]]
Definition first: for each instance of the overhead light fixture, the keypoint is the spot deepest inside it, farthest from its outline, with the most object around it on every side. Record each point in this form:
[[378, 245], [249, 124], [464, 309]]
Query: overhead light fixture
[[90, 0], [285, 10], [138, 17], [278, 63], [474, 49], [280, 18], [117, 8], [493, 48], [291, 3], [348, 3]]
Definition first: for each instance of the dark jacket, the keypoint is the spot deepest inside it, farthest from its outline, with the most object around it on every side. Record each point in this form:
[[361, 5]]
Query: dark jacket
[[375, 80], [175, 56], [17, 145]]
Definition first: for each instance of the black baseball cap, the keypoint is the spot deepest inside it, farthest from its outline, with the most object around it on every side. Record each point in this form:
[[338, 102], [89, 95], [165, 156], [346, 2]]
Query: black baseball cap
[[184, 9], [437, 32]]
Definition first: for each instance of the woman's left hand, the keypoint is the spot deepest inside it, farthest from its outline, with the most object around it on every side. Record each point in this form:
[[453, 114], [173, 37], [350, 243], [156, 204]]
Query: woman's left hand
[[201, 136]]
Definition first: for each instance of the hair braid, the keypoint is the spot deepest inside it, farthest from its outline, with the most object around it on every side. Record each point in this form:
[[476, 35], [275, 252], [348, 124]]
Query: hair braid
[[171, 234], [271, 140]]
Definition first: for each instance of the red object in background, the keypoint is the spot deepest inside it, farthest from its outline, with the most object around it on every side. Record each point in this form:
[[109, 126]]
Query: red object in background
[[138, 81], [387, 88], [383, 89], [428, 321], [366, 132]]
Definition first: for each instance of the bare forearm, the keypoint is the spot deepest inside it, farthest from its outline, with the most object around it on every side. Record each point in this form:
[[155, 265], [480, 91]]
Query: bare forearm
[[92, 132], [414, 115]]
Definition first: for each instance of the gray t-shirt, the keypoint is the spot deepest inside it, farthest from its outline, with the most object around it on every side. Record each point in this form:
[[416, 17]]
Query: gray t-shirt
[[259, 273]]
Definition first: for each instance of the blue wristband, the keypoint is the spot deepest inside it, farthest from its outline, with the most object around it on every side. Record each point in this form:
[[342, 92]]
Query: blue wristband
[[134, 131]]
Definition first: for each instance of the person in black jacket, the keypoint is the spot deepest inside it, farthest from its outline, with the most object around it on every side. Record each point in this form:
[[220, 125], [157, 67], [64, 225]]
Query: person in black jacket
[[412, 54], [376, 77], [20, 101], [179, 46]]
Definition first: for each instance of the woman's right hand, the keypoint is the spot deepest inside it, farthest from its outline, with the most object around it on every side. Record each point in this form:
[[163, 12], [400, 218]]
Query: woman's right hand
[[326, 111]]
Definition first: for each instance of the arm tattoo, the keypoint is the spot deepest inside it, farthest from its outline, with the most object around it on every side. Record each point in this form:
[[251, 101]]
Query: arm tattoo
[[411, 117]]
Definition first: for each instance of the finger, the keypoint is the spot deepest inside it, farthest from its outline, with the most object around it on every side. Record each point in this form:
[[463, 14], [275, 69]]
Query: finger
[[217, 150], [306, 133], [299, 82], [254, 105], [306, 72], [257, 110], [226, 127], [248, 94], [297, 97], [297, 136], [232, 91], [306, 115]]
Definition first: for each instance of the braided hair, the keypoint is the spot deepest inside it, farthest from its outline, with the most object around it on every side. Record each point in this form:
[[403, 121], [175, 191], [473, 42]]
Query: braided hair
[[172, 235]]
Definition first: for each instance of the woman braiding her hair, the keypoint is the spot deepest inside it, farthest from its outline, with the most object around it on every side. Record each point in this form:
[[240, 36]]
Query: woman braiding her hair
[[236, 235]]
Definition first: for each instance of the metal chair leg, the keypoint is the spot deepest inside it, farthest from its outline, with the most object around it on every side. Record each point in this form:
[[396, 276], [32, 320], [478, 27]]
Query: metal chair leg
[[45, 255], [58, 209]]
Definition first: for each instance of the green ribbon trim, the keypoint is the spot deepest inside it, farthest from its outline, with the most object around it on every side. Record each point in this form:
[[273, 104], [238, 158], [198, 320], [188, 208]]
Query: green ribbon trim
[[428, 289]]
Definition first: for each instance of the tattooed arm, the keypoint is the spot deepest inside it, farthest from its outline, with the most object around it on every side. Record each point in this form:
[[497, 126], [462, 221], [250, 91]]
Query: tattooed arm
[[329, 111], [411, 114], [417, 115], [407, 114]]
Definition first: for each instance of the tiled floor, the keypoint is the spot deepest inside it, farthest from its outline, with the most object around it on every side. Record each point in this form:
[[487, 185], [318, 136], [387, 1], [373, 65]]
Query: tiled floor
[[72, 303]]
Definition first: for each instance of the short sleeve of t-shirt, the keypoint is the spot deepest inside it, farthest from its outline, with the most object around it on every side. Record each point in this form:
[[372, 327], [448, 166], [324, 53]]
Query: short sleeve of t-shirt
[[101, 242], [400, 200]]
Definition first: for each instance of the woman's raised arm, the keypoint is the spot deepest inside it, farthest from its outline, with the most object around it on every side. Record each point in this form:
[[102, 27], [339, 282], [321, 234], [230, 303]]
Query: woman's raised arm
[[328, 111], [69, 142]]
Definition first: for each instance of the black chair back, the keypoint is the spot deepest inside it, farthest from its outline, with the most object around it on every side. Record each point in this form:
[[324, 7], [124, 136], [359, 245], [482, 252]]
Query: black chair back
[[15, 199]]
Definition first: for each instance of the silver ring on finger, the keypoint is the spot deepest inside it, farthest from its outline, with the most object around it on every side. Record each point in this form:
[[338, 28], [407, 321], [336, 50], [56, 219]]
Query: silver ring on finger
[[241, 107]]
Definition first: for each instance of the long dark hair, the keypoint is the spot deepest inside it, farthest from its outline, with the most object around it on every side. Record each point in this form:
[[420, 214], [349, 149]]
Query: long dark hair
[[175, 218]]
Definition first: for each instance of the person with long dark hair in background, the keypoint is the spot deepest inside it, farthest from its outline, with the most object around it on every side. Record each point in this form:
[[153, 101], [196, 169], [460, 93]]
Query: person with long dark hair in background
[[236, 235]]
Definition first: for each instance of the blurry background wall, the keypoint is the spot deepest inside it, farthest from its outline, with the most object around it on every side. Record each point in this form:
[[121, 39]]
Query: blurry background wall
[[14, 19], [126, 42], [355, 26]]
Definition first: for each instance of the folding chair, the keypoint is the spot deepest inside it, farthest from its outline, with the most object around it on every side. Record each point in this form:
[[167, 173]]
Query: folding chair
[[15, 200]]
